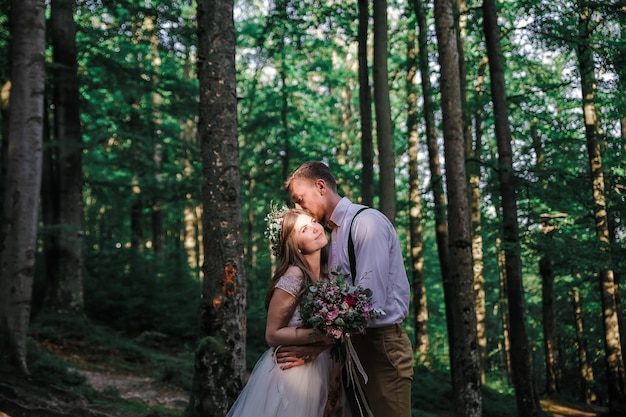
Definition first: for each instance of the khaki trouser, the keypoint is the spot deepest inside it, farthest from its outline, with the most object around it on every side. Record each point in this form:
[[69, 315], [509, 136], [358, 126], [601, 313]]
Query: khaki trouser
[[387, 358]]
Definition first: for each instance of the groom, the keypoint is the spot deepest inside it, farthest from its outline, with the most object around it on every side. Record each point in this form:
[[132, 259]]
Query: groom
[[384, 350]]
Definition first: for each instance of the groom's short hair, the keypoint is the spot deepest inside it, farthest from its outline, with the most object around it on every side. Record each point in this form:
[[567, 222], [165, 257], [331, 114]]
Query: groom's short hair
[[313, 170]]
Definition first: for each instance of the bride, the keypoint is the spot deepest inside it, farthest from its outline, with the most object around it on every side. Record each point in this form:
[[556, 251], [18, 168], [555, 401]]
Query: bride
[[310, 390]]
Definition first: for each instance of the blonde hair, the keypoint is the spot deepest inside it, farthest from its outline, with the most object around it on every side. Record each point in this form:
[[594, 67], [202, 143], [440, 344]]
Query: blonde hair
[[290, 255], [313, 170]]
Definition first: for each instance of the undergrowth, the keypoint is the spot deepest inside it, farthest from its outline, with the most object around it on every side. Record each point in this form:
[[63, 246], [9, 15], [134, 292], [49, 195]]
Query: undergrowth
[[432, 393], [60, 344]]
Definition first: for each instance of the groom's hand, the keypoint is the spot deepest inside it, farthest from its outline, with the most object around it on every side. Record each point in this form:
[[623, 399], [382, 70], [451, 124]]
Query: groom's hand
[[290, 356]]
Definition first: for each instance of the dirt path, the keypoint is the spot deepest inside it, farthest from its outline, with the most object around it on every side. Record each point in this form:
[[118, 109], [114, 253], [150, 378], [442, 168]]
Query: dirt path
[[137, 388]]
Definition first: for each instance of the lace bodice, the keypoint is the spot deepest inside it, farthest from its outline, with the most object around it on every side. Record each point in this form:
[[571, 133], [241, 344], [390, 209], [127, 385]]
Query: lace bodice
[[292, 285]]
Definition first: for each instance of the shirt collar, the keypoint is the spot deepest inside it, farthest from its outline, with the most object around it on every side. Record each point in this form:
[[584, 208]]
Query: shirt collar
[[339, 213], [330, 226]]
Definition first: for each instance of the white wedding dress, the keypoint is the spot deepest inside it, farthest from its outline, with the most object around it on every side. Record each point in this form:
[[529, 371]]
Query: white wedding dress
[[297, 392]]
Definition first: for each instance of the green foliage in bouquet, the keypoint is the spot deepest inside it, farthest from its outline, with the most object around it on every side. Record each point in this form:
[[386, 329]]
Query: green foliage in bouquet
[[337, 309]]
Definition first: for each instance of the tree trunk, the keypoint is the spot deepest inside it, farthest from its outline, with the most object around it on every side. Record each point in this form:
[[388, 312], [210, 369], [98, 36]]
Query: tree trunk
[[550, 340], [284, 113], [220, 365], [527, 401], [156, 208], [473, 155], [461, 15], [23, 177], [365, 106], [65, 278], [4, 128], [586, 370], [384, 128], [465, 361], [192, 241], [620, 65], [473, 166], [503, 304], [436, 179], [614, 224], [49, 210], [136, 217], [420, 302], [137, 193], [616, 379]]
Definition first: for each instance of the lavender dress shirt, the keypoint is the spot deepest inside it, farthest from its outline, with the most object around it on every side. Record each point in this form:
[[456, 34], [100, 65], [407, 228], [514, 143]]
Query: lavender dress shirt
[[379, 261]]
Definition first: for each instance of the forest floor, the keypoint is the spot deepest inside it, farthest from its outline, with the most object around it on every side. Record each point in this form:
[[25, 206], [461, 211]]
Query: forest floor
[[565, 409], [73, 379], [118, 391]]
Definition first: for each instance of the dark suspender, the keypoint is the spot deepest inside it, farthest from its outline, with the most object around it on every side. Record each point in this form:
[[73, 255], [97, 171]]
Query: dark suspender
[[351, 255]]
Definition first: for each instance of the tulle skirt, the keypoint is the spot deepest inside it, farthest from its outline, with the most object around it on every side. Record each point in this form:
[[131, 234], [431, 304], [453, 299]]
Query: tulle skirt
[[272, 392]]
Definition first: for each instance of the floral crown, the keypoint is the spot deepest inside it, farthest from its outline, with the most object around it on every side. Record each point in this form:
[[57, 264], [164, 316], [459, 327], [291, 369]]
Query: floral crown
[[274, 227]]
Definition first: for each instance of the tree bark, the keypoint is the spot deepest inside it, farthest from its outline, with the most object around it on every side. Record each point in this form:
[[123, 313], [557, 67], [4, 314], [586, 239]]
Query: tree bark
[[587, 393], [503, 304], [465, 361], [420, 302], [4, 128], [546, 270], [434, 165], [192, 236], [220, 365], [550, 340], [473, 167], [527, 401], [620, 65], [137, 235], [23, 177], [284, 113], [65, 272], [156, 209], [384, 128], [616, 378], [365, 106]]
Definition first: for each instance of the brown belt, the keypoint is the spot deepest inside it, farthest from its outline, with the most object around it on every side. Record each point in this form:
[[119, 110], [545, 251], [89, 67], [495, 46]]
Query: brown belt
[[382, 330]]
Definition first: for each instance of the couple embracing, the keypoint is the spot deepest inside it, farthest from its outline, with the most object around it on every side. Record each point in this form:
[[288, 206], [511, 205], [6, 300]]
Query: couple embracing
[[297, 377]]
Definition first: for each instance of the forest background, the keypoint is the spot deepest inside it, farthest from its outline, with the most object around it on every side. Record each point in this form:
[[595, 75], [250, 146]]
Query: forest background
[[120, 241]]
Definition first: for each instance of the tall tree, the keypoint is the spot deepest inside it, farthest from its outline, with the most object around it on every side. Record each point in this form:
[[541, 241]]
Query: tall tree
[[365, 106], [65, 262], [22, 182], [284, 122], [473, 150], [384, 128], [503, 306], [550, 339], [465, 360], [434, 164], [587, 394], [546, 270], [616, 378], [473, 170], [420, 301], [156, 209], [220, 365], [527, 401]]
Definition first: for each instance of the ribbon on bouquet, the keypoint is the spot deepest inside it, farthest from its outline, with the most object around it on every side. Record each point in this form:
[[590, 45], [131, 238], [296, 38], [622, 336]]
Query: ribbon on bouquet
[[353, 364]]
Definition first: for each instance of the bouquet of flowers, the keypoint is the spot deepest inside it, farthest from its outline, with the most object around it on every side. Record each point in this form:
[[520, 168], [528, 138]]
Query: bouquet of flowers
[[337, 309]]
